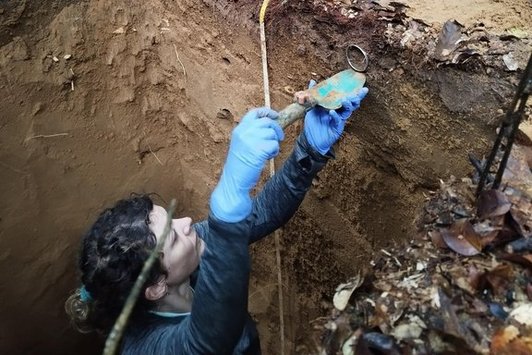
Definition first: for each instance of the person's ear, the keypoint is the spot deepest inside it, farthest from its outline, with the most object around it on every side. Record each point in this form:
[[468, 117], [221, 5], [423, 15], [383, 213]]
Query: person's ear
[[156, 291]]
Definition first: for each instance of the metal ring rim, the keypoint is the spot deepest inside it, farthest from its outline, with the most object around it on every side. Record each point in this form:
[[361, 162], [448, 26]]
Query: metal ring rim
[[365, 64]]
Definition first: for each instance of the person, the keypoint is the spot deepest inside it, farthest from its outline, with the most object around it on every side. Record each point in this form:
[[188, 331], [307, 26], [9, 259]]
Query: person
[[195, 298]]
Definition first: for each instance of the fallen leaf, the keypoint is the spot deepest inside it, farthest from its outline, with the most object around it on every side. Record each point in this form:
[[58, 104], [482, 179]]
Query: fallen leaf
[[407, 331], [523, 314], [523, 260], [492, 203], [437, 239], [344, 292], [462, 238], [517, 173], [451, 323], [480, 306], [507, 341], [448, 40], [524, 134], [348, 347], [496, 279], [502, 338]]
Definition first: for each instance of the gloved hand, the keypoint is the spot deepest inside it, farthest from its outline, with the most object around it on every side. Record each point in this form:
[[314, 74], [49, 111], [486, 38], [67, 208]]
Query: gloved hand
[[324, 127], [254, 141]]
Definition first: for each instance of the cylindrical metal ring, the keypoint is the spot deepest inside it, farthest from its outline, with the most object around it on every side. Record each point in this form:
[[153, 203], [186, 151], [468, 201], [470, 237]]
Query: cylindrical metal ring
[[365, 63]]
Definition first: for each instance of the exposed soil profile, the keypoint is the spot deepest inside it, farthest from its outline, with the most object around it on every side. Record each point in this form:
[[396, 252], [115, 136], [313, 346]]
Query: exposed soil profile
[[103, 98]]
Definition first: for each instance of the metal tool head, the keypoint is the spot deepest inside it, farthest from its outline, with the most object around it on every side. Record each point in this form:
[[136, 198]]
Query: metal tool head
[[330, 92]]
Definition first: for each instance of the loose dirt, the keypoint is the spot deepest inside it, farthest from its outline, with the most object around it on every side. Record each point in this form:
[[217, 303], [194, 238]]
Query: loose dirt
[[100, 99]]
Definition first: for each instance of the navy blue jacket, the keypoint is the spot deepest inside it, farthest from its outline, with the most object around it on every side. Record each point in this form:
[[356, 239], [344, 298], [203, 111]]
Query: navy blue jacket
[[219, 322]]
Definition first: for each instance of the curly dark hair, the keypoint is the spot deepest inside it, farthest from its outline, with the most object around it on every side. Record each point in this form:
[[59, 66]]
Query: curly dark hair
[[112, 255]]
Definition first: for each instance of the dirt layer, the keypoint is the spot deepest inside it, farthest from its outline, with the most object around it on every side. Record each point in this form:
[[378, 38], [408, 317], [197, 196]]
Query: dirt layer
[[100, 99]]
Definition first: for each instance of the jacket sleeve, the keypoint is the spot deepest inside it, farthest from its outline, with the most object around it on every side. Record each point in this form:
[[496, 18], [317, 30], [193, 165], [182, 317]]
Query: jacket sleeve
[[284, 192], [219, 309]]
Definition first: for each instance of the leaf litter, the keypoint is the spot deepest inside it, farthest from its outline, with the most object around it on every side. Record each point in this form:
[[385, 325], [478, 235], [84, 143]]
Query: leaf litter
[[463, 285]]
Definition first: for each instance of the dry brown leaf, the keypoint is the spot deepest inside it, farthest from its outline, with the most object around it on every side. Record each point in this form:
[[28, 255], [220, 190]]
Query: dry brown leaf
[[492, 203], [437, 239], [496, 279], [507, 341], [451, 323], [462, 238], [521, 210], [502, 338], [523, 260], [524, 134], [448, 40], [517, 173]]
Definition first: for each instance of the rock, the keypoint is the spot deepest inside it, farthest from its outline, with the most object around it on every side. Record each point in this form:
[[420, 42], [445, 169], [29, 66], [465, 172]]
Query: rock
[[67, 56], [119, 31], [510, 62], [55, 59]]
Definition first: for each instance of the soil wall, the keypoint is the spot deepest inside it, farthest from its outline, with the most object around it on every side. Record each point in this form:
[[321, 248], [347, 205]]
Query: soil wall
[[100, 99]]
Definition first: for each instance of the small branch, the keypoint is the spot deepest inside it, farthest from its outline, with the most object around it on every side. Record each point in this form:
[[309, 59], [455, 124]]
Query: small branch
[[47, 136], [180, 62], [72, 80], [111, 344]]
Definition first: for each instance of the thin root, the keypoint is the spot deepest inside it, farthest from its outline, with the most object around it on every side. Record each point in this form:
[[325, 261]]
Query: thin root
[[47, 136], [180, 62]]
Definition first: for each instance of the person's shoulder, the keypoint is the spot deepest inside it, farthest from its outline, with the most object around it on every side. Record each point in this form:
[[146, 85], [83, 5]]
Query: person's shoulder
[[149, 334]]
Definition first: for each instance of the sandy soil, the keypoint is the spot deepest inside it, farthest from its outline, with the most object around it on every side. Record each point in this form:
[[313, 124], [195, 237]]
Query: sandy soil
[[146, 103], [497, 15]]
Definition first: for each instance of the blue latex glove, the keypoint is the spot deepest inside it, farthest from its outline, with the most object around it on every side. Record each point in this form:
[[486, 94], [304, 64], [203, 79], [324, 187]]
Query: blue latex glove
[[324, 127], [254, 141]]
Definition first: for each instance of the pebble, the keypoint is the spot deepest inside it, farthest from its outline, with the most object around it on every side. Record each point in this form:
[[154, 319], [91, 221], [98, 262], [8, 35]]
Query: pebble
[[67, 56], [55, 59]]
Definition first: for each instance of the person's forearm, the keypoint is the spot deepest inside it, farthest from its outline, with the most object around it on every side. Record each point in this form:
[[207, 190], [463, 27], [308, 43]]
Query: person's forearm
[[284, 192]]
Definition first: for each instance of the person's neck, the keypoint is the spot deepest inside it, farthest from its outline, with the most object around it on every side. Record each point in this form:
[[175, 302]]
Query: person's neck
[[178, 299]]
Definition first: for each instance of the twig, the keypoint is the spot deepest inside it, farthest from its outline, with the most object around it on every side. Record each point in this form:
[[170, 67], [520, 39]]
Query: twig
[[180, 62], [72, 80], [155, 155], [111, 344], [391, 256], [47, 136]]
